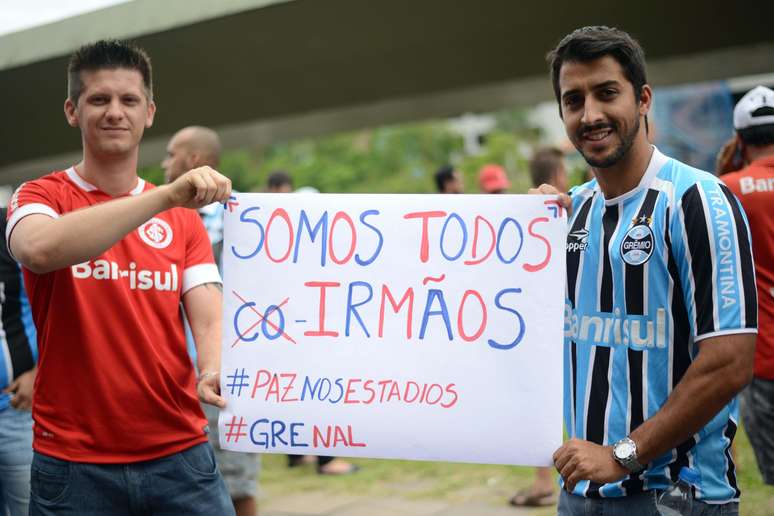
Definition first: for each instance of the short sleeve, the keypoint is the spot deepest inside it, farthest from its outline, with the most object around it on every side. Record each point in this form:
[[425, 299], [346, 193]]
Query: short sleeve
[[200, 265], [30, 198], [712, 248]]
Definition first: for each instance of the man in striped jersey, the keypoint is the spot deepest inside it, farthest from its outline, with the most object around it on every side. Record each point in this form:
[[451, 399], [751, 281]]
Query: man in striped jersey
[[661, 313], [18, 356]]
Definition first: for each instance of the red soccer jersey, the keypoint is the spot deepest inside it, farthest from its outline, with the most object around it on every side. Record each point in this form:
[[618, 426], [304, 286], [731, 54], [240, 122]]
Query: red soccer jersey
[[754, 186], [115, 383]]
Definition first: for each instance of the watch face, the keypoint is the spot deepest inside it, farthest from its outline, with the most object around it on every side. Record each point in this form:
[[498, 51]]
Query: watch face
[[624, 450]]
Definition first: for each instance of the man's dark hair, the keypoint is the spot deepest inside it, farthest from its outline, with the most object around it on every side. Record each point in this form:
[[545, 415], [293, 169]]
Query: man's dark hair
[[544, 163], [590, 43], [442, 176], [107, 54], [279, 178], [759, 135]]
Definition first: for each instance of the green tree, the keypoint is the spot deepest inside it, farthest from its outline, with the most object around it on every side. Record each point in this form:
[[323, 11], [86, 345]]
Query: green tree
[[391, 159]]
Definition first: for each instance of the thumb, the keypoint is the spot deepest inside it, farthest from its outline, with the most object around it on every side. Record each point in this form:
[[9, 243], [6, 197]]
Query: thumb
[[208, 392], [211, 397], [566, 201], [13, 387]]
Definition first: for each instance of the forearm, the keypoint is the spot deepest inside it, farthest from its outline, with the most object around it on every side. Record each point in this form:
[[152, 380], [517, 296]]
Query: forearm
[[203, 305], [707, 386], [81, 235], [208, 349]]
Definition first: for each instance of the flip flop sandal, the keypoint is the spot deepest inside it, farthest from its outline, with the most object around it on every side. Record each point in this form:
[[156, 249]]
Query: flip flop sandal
[[351, 469], [524, 498]]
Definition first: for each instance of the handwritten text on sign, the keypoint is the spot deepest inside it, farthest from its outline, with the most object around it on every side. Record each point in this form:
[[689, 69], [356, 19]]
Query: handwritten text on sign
[[413, 326]]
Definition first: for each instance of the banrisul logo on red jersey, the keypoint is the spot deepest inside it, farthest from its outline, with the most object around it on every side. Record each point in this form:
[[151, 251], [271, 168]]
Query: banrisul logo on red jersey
[[135, 278], [156, 233]]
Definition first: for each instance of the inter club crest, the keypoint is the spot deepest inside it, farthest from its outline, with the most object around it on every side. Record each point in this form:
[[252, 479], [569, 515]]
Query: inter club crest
[[156, 233]]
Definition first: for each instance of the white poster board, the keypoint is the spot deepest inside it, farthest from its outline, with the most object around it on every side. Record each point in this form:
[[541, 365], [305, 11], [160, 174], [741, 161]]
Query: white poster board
[[394, 326]]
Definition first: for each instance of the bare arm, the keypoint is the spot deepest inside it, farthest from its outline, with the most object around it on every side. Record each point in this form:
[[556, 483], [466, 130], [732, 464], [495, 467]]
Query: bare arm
[[43, 244], [203, 310], [722, 368]]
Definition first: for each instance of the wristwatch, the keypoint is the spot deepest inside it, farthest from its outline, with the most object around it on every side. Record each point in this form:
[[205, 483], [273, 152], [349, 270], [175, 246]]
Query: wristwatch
[[625, 453]]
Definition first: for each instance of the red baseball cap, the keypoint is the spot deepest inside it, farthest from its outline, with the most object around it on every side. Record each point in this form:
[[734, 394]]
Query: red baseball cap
[[492, 178]]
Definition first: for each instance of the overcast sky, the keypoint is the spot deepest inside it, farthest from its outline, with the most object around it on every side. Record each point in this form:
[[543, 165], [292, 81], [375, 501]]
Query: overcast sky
[[16, 15]]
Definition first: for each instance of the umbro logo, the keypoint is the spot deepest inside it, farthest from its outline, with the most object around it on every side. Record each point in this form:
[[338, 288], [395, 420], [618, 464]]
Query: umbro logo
[[577, 240]]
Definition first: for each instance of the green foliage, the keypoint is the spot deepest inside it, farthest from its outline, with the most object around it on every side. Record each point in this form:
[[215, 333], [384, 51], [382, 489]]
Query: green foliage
[[153, 174], [391, 159], [397, 159]]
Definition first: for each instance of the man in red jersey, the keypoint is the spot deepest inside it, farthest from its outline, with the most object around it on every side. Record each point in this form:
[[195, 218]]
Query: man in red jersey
[[107, 261], [754, 186]]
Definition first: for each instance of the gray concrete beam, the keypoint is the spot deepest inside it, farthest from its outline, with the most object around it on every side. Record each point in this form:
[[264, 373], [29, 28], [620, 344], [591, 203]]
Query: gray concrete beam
[[123, 21], [280, 70]]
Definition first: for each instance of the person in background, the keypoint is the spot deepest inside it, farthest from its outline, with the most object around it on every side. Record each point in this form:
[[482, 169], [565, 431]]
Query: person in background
[[18, 359], [193, 147], [753, 149], [449, 181], [189, 148], [547, 166], [279, 181], [492, 179]]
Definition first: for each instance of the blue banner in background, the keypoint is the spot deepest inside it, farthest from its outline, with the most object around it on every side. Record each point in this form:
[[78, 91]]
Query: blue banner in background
[[693, 121]]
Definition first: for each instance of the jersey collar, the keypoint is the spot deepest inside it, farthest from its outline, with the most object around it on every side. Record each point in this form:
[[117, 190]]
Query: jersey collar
[[657, 160], [88, 187]]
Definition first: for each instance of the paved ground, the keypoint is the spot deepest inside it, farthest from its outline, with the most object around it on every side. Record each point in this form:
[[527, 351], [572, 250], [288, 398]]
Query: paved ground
[[347, 505]]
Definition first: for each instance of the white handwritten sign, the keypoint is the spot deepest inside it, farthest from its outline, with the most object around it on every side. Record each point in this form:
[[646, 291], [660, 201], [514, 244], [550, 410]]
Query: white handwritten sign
[[412, 326]]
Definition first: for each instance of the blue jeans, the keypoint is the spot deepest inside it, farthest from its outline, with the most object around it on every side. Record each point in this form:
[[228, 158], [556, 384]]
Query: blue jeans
[[15, 459], [641, 504], [187, 482]]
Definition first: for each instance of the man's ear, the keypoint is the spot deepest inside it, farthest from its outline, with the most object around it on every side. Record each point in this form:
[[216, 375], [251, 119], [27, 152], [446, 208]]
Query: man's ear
[[193, 161], [71, 112], [646, 99], [150, 114]]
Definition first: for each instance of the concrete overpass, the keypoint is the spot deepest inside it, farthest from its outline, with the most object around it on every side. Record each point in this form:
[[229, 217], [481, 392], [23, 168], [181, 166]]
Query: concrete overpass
[[268, 70]]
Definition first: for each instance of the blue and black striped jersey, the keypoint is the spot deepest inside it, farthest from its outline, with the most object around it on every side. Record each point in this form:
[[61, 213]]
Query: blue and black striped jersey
[[18, 340], [649, 275]]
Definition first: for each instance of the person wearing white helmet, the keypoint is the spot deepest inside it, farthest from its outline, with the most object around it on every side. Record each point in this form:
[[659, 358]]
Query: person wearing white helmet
[[754, 187]]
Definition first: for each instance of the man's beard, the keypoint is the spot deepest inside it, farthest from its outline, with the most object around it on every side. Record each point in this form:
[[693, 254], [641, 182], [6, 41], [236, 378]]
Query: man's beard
[[627, 141]]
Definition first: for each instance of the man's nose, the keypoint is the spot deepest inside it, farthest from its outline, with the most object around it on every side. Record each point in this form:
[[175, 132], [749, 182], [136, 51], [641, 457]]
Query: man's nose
[[115, 110], [592, 112]]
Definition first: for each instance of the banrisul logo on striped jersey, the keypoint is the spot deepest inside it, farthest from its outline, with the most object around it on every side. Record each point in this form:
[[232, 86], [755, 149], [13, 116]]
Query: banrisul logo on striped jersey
[[637, 244]]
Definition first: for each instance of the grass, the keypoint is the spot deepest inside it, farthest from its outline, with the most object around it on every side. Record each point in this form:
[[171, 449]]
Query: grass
[[451, 482], [457, 483], [757, 497]]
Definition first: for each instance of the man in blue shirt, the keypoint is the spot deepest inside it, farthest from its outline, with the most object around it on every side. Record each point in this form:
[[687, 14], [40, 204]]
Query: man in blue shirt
[[18, 359], [660, 311]]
